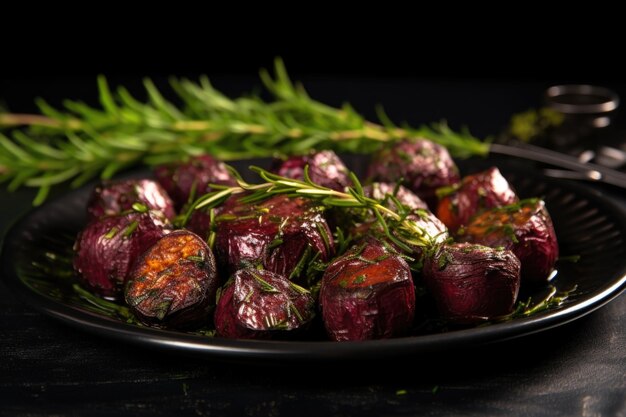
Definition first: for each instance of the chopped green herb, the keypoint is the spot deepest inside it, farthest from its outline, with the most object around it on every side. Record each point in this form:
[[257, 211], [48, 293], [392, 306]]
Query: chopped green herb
[[294, 310], [360, 279], [265, 286], [248, 296], [130, 228], [274, 243], [140, 208], [111, 233]]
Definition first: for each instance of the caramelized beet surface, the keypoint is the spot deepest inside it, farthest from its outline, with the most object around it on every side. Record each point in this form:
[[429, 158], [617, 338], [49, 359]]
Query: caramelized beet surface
[[525, 229], [173, 284], [472, 283], [260, 304], [475, 193], [115, 197], [367, 293], [107, 247]]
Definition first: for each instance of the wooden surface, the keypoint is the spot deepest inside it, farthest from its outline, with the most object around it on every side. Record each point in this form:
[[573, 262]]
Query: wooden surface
[[579, 369]]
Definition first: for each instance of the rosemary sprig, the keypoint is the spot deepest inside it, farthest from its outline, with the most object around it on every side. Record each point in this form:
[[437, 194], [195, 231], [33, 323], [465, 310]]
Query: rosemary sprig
[[80, 142], [406, 232], [553, 298]]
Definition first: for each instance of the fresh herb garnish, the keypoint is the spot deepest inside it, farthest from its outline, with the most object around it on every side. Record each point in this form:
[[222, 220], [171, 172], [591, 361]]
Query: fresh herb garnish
[[80, 142]]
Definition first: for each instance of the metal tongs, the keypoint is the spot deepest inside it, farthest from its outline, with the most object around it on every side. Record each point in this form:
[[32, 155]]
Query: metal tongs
[[579, 170]]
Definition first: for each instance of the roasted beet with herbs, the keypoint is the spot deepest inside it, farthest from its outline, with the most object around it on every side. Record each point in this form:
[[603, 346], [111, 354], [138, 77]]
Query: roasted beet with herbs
[[432, 229], [173, 284], [475, 194], [115, 197], [526, 229], [367, 293], [406, 197], [422, 165], [281, 233], [472, 283], [260, 304], [107, 247], [188, 180], [325, 169]]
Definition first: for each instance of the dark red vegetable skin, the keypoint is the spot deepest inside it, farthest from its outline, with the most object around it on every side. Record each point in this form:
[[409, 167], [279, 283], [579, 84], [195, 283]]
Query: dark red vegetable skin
[[248, 310], [246, 238], [472, 283], [526, 229], [173, 284], [180, 178], [103, 259], [325, 169], [367, 293], [475, 193], [422, 165], [114, 197]]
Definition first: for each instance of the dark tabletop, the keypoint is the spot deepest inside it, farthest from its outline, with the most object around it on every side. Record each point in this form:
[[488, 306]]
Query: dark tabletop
[[50, 368]]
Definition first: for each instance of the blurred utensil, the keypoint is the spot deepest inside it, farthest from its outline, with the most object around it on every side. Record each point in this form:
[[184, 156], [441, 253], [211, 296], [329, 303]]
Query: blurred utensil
[[575, 168]]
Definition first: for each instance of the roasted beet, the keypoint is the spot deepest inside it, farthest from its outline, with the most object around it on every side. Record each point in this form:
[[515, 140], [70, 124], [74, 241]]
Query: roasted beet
[[424, 166], [259, 304], [173, 284], [367, 293], [382, 191], [473, 195], [114, 197], [472, 283], [434, 231], [182, 179], [524, 228], [325, 169], [106, 248], [280, 233]]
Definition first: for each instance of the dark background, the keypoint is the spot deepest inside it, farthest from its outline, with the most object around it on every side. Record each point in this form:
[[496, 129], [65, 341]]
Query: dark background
[[60, 57]]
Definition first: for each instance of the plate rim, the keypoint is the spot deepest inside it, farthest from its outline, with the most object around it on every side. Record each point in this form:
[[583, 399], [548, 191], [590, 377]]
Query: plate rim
[[310, 350]]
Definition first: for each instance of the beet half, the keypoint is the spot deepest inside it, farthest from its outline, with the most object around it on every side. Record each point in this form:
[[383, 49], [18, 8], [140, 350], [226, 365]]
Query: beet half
[[367, 293], [173, 284], [475, 193], [524, 228]]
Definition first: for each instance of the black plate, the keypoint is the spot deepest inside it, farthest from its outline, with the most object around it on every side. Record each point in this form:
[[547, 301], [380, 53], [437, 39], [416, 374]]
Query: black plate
[[38, 248]]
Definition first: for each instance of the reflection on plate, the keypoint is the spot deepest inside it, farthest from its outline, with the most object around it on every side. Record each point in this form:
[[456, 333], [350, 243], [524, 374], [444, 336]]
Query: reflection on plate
[[37, 255]]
